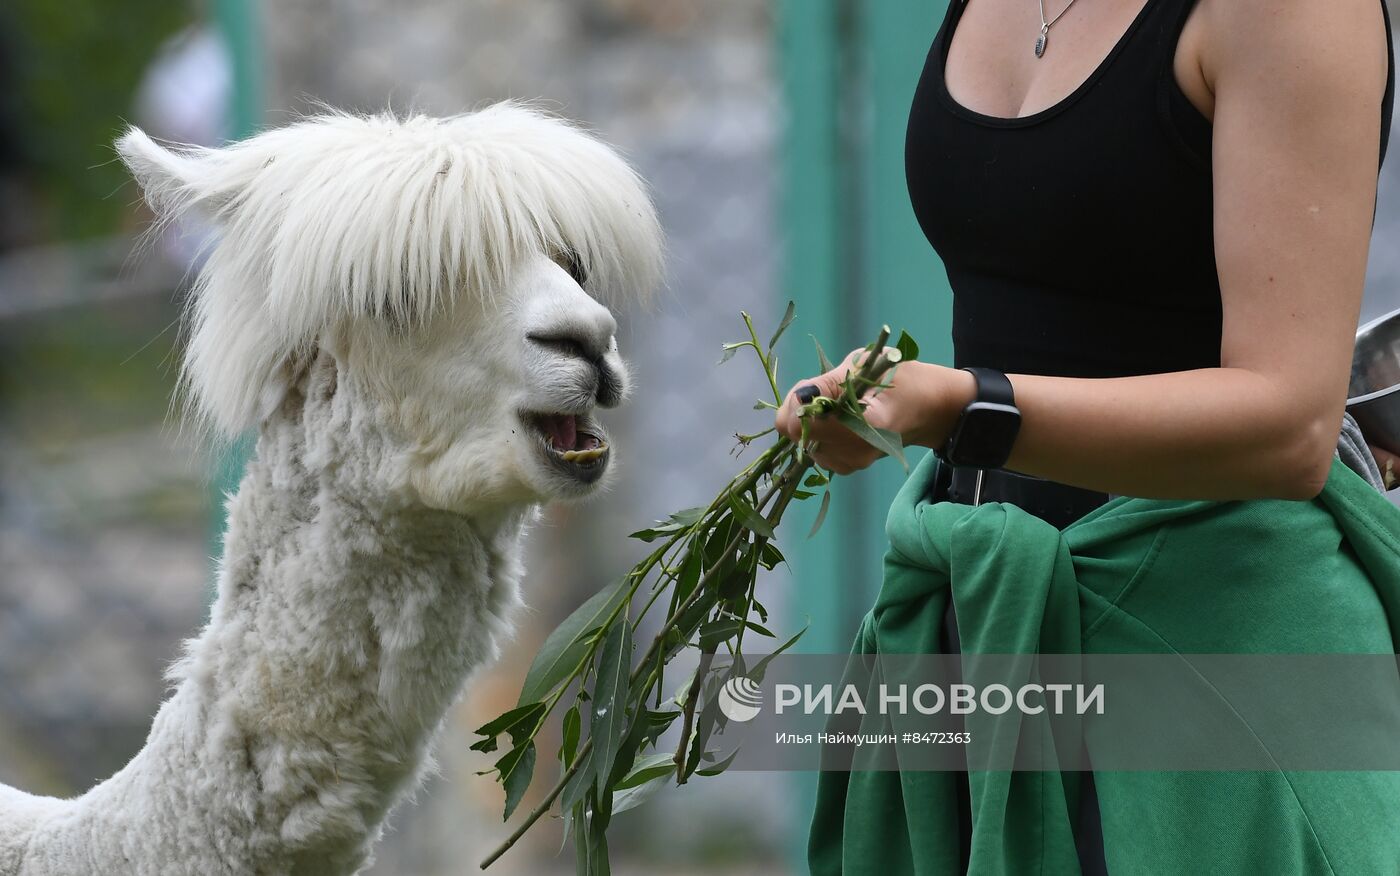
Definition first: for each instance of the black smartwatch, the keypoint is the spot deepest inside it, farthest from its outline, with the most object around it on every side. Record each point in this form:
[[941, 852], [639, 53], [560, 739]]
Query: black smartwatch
[[987, 427]]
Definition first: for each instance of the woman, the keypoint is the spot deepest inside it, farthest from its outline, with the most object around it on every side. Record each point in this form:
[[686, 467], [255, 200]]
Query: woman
[[1155, 219]]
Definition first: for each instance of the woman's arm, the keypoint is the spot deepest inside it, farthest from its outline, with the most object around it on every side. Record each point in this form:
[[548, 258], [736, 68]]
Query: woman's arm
[[1297, 88]]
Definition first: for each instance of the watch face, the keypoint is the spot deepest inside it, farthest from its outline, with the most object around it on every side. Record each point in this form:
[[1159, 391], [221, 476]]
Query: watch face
[[984, 435]]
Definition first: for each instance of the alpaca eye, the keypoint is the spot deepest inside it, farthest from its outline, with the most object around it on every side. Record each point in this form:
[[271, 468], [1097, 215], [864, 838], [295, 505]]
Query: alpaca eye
[[569, 261]]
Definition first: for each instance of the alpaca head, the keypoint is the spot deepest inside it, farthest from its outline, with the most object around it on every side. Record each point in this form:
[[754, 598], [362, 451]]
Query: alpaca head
[[456, 274]]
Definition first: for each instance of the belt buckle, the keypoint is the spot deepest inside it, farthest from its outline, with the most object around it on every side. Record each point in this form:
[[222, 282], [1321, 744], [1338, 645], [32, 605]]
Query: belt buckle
[[977, 488]]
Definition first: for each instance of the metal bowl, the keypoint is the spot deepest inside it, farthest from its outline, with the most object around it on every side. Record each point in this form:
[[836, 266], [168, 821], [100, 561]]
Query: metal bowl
[[1374, 391]]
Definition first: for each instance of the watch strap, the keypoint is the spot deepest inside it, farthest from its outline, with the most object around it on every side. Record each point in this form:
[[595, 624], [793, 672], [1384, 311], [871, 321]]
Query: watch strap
[[992, 385]]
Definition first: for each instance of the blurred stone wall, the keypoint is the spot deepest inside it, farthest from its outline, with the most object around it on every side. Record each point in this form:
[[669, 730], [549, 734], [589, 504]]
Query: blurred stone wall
[[103, 556]]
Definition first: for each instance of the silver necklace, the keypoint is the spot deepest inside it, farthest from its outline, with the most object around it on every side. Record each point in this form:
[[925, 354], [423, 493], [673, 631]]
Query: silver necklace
[[1045, 26]]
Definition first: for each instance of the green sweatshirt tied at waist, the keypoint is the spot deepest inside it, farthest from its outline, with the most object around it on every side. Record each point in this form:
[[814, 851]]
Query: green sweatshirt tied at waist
[[1136, 576]]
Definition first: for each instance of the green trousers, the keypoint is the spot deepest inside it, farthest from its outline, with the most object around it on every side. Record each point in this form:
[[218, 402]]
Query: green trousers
[[1136, 576]]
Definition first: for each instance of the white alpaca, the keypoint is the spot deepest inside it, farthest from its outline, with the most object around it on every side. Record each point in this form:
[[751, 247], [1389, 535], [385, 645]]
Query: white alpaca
[[408, 311]]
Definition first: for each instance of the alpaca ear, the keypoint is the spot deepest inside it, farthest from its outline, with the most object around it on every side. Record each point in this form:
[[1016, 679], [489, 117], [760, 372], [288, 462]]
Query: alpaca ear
[[166, 177]]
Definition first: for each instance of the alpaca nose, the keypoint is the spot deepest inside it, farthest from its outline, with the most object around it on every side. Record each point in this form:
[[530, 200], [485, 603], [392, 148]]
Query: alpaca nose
[[585, 333], [567, 343], [596, 347], [564, 323]]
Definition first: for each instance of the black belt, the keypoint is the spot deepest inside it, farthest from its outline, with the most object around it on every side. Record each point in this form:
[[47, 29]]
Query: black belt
[[1056, 503]]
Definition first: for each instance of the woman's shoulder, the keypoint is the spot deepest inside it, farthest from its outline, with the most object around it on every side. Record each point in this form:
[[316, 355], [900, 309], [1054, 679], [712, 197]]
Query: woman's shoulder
[[1298, 46]]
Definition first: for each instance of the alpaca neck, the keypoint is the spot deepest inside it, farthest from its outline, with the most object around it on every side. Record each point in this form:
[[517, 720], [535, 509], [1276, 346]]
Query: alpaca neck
[[392, 602], [344, 627]]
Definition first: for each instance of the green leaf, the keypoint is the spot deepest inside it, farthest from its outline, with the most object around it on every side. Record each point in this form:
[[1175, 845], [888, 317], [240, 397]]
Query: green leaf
[[739, 578], [687, 516], [637, 732], [762, 612], [562, 653], [521, 723], [769, 556], [714, 633], [568, 817], [718, 539], [782, 326], [573, 728], [580, 782], [581, 848], [634, 796], [908, 349], [762, 631], [590, 840], [657, 723], [821, 513], [719, 767], [689, 574], [849, 398], [610, 698], [683, 692], [750, 516], [598, 838], [682, 519], [731, 349], [645, 769], [822, 362], [881, 439], [601, 798], [718, 558], [757, 672], [816, 479], [517, 768], [705, 721], [691, 617]]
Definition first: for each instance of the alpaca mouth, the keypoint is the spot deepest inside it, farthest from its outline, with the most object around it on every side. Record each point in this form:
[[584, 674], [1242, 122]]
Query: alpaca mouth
[[572, 442]]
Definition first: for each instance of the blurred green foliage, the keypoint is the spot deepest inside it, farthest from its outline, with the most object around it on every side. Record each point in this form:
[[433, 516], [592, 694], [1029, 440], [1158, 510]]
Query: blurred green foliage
[[73, 374], [76, 65]]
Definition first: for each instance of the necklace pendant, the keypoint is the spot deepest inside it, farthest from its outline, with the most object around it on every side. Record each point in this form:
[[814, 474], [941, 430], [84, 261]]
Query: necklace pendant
[[1040, 43]]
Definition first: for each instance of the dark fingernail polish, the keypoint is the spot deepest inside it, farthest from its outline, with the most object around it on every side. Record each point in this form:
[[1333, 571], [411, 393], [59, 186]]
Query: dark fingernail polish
[[806, 392]]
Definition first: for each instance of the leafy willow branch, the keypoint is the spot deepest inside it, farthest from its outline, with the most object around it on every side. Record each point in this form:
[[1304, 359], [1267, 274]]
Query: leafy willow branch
[[706, 566]]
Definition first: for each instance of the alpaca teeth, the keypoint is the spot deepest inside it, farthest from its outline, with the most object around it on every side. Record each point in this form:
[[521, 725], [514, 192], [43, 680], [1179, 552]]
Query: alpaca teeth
[[584, 455]]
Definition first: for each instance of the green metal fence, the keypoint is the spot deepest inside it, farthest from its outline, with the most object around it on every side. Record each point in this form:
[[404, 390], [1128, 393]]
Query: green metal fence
[[854, 259], [238, 23]]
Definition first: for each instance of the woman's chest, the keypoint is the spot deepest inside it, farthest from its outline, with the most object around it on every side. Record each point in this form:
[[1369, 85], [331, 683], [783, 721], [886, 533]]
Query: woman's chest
[[1113, 175], [999, 61]]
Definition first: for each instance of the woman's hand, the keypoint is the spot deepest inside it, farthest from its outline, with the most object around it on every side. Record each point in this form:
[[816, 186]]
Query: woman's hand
[[920, 405]]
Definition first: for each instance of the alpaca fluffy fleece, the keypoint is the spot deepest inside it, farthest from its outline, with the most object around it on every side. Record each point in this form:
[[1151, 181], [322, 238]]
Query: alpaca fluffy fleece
[[369, 309], [344, 627]]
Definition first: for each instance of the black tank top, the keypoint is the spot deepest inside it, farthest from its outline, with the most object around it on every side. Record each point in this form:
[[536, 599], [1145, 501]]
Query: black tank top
[[1078, 240]]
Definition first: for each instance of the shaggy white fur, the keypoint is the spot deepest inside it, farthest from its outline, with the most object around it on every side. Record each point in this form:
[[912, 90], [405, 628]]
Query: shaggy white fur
[[409, 313]]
